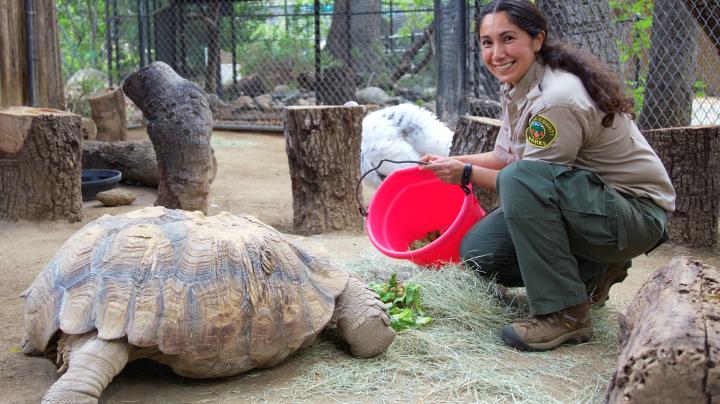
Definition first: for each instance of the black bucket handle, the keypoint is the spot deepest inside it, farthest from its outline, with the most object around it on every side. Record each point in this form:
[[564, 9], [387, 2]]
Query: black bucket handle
[[364, 212]]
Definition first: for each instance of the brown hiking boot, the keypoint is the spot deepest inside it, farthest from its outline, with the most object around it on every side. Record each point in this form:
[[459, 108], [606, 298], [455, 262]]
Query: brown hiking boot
[[615, 273], [541, 333]]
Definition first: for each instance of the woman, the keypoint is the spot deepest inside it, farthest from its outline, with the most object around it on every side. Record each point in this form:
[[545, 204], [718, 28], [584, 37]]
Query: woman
[[579, 184]]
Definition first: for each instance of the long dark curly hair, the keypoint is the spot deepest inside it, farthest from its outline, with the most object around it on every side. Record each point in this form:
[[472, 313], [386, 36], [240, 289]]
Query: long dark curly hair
[[601, 83]]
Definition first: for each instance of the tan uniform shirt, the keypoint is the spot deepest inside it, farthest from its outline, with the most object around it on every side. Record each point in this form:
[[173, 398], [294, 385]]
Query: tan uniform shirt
[[549, 116]]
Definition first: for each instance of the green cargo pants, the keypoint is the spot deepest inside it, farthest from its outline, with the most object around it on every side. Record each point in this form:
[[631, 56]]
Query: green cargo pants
[[556, 232]]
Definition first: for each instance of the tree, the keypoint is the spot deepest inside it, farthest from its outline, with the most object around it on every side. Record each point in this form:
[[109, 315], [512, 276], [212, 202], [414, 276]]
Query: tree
[[587, 24], [669, 93], [365, 33], [707, 15]]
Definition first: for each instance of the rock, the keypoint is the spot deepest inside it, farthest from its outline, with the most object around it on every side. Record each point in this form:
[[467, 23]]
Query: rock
[[116, 197], [244, 103], [304, 102], [372, 95], [281, 88], [88, 129], [266, 103]]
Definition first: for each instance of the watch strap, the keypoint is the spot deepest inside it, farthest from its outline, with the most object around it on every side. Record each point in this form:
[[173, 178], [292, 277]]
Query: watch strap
[[466, 174]]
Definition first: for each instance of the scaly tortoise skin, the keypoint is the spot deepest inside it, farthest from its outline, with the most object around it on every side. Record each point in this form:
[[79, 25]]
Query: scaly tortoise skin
[[208, 296]]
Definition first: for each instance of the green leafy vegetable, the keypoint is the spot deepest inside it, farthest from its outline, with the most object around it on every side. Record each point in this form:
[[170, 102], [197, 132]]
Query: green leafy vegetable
[[403, 303]]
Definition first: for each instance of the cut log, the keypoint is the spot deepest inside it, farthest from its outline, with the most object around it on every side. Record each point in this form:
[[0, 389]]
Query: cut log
[[179, 126], [323, 148], [691, 156], [477, 135], [135, 160], [108, 112], [670, 338], [88, 128], [40, 164]]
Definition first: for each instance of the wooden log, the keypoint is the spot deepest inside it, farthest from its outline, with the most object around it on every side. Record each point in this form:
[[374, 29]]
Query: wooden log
[[323, 148], [691, 156], [107, 108], [88, 129], [14, 78], [13, 67], [179, 126], [670, 338], [477, 135], [134, 159], [49, 88], [40, 164]]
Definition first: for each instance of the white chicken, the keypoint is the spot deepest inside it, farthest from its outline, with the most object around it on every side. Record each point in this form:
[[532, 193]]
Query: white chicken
[[400, 132]]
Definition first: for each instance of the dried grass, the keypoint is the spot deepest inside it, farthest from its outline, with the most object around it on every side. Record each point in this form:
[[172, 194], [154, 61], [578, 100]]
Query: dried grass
[[459, 356]]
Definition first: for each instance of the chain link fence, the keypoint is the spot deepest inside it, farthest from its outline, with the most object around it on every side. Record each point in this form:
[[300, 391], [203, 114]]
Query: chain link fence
[[256, 57]]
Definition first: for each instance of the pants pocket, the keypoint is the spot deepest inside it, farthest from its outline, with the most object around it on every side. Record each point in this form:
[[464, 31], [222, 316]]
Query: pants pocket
[[588, 208]]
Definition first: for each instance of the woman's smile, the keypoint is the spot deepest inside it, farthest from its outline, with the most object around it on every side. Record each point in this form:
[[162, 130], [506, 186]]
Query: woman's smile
[[508, 51]]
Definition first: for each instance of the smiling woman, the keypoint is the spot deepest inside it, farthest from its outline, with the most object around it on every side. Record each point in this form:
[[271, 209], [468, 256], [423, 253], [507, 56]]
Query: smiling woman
[[508, 52], [582, 191]]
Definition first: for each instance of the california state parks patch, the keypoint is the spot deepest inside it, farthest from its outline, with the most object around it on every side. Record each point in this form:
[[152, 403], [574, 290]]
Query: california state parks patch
[[540, 133]]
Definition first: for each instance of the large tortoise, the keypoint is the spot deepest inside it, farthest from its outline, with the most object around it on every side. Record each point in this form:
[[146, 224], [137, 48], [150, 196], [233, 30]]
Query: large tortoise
[[208, 296]]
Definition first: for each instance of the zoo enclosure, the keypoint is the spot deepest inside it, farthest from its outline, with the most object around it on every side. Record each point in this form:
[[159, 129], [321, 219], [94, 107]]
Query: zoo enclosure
[[258, 56]]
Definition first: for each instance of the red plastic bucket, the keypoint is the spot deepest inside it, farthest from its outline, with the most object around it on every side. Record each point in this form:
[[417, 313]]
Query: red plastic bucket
[[412, 202]]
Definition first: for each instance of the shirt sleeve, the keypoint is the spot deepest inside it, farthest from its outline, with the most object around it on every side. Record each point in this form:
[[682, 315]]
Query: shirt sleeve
[[555, 135], [503, 146]]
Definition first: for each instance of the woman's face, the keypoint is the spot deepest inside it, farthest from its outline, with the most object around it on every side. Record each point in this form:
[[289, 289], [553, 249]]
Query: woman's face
[[508, 51]]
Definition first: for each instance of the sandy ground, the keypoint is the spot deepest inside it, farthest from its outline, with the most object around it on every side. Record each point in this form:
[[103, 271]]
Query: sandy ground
[[252, 178]]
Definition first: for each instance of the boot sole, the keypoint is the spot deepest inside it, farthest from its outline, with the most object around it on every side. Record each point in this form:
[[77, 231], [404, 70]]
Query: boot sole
[[511, 338]]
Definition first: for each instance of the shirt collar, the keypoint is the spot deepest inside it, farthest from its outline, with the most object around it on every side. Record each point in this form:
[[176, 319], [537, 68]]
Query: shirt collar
[[530, 80]]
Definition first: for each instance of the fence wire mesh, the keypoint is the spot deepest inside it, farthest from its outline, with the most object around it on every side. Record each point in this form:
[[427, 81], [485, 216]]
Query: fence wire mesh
[[256, 57]]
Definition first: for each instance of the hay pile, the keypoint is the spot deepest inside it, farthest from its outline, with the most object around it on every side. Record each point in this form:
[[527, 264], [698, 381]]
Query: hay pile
[[460, 356]]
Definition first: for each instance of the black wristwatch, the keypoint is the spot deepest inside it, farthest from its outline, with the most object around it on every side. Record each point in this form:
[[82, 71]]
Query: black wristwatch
[[466, 174]]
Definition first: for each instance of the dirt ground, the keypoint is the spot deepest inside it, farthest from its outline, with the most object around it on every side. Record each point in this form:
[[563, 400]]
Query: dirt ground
[[252, 178]]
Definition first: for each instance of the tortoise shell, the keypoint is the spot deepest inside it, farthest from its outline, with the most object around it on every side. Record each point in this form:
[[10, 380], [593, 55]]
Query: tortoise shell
[[225, 289]]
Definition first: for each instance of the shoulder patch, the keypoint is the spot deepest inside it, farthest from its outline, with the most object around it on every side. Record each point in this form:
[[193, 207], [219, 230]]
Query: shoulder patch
[[540, 133]]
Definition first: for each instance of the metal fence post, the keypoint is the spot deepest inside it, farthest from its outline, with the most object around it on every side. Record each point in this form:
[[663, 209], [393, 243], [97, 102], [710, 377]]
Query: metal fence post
[[451, 39]]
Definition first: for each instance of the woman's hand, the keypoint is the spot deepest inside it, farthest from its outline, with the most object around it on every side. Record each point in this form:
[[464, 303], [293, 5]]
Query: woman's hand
[[447, 169], [429, 158]]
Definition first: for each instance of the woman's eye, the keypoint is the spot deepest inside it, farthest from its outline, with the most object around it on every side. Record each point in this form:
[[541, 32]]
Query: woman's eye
[[486, 44], [508, 39]]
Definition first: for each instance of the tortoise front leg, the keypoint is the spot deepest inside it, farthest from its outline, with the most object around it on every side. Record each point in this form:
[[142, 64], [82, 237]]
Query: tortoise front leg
[[91, 364], [363, 320]]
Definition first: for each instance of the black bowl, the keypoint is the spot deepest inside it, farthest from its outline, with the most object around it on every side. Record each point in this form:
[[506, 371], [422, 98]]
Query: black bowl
[[98, 180]]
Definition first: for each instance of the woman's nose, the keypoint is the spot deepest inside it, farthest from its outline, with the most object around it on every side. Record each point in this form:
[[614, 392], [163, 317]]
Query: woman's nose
[[498, 52]]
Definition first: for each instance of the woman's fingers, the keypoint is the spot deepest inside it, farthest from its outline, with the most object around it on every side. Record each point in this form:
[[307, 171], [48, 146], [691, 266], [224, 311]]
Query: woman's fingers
[[448, 170]]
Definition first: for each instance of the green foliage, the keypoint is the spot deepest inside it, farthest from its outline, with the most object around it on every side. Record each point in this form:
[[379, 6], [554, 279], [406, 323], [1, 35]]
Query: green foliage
[[637, 91], [82, 34], [403, 303], [699, 88], [79, 86], [641, 13], [413, 20]]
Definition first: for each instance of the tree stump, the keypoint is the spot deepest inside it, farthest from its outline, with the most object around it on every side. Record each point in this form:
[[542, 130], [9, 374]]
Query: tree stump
[[670, 338], [691, 156], [477, 135], [179, 126], [323, 148], [40, 164], [135, 160], [108, 112]]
